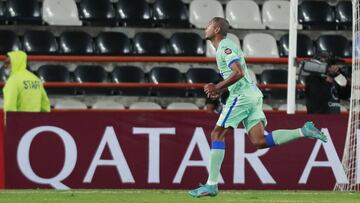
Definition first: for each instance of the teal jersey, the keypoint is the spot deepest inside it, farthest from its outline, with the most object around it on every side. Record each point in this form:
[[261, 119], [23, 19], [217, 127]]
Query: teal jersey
[[227, 54]]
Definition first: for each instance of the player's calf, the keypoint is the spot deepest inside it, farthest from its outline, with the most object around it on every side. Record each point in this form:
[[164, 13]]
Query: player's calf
[[259, 143]]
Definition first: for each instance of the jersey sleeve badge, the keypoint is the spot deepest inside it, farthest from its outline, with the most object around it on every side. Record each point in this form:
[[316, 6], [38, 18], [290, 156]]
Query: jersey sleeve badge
[[227, 51]]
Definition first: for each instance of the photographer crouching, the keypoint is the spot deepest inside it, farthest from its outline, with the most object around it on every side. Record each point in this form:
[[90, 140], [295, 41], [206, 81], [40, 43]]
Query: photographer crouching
[[326, 82]]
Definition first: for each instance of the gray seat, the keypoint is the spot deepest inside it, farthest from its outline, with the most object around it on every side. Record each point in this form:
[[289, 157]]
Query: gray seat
[[145, 105], [69, 104], [106, 104], [166, 75], [129, 74], [182, 106], [274, 76]]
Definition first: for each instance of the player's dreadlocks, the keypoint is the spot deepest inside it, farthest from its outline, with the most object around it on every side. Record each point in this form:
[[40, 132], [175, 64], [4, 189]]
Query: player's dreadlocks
[[223, 24]]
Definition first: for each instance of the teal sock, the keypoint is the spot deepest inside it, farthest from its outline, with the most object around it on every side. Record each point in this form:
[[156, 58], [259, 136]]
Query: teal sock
[[216, 158], [285, 136]]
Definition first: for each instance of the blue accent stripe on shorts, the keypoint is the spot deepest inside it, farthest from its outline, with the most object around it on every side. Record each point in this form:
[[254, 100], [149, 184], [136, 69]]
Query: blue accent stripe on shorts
[[233, 61], [228, 113], [270, 140], [217, 145]]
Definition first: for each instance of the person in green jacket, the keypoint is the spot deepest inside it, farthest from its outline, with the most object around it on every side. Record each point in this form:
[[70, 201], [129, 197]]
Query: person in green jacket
[[23, 91]]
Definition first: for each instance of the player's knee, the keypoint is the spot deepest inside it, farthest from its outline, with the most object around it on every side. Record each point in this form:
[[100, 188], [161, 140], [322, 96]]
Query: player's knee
[[259, 144], [216, 136]]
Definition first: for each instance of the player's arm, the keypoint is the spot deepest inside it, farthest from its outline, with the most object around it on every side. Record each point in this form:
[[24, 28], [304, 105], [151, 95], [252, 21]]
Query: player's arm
[[236, 74]]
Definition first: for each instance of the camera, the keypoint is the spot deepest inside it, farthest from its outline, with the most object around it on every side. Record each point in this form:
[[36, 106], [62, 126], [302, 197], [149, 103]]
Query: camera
[[322, 65], [327, 81]]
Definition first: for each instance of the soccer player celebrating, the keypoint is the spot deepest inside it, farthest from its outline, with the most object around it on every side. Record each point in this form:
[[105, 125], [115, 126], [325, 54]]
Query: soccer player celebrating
[[243, 105]]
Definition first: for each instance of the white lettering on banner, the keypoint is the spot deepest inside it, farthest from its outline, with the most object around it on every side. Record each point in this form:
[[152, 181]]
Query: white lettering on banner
[[198, 139], [357, 156], [333, 161], [239, 160], [154, 149], [109, 138], [70, 156]]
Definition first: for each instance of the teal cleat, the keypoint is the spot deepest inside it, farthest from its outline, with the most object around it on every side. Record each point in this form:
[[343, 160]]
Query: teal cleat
[[205, 190], [309, 130]]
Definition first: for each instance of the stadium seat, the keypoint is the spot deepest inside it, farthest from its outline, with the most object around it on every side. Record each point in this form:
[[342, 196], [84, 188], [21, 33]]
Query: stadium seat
[[53, 12], [40, 42], [210, 50], [202, 11], [107, 104], [343, 14], [186, 44], [2, 13], [171, 13], [302, 79], [9, 41], [252, 76], [69, 104], [274, 76], [316, 15], [166, 75], [97, 12], [113, 43], [276, 14], [201, 75], [260, 45], [333, 44], [150, 44], [91, 73], [145, 106], [234, 38], [3, 76], [305, 46], [348, 50], [129, 74], [301, 107], [182, 106], [267, 107], [298, 107], [134, 13], [76, 43], [55, 73], [244, 14], [23, 12], [300, 93]]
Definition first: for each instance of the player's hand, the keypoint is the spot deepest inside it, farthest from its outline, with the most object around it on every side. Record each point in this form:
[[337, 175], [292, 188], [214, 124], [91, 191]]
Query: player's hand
[[211, 91], [213, 96]]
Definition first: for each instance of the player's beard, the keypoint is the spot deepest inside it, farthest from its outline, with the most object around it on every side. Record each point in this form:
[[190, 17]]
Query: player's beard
[[209, 37]]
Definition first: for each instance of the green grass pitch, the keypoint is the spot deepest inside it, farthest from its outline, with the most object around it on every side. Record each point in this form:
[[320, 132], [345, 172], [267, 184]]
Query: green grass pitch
[[173, 196]]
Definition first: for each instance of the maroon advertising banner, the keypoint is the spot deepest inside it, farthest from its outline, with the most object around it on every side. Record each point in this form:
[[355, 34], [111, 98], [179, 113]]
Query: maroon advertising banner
[[63, 150]]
